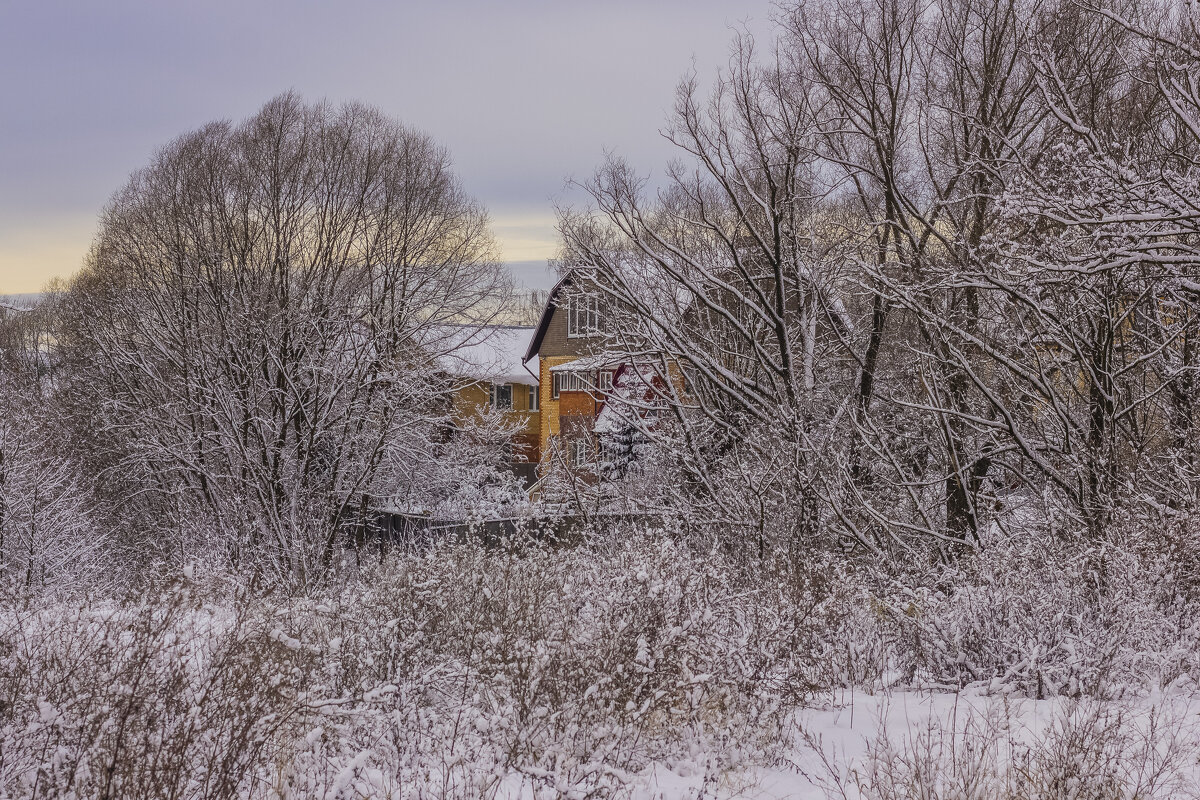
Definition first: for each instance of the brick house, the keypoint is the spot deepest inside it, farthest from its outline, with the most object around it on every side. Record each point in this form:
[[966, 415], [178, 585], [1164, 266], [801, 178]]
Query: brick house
[[574, 374]]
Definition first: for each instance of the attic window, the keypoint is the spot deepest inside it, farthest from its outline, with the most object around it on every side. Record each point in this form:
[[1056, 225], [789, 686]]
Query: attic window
[[583, 316]]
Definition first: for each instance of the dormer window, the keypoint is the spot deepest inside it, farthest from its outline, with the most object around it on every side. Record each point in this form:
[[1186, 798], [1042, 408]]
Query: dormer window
[[583, 316]]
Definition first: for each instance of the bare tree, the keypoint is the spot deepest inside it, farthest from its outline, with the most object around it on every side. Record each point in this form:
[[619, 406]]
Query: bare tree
[[849, 263], [1098, 268], [47, 513], [252, 345], [727, 282]]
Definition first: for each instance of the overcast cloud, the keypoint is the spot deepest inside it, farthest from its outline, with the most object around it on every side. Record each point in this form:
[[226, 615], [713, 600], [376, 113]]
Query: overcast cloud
[[525, 95]]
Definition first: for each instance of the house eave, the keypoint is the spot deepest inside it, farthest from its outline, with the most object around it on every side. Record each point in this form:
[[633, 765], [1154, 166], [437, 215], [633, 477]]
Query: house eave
[[535, 344]]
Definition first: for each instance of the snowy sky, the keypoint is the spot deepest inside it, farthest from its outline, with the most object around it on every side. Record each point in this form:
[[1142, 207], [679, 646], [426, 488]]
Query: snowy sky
[[524, 93]]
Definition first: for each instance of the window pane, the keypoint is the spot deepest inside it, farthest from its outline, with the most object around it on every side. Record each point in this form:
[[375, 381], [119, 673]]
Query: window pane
[[579, 452], [504, 396]]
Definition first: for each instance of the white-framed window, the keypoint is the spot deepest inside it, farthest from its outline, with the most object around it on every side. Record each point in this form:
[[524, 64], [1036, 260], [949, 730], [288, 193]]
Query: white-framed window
[[593, 382], [501, 396], [583, 316], [534, 396], [567, 382], [581, 453]]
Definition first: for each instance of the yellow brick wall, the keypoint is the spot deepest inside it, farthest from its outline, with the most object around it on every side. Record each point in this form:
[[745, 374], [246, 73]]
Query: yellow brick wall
[[471, 398], [550, 406]]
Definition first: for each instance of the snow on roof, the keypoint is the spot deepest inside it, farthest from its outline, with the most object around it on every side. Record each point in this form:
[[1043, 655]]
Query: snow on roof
[[492, 354], [588, 363]]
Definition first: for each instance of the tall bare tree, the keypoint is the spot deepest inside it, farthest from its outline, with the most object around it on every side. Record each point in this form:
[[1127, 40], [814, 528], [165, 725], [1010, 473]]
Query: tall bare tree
[[47, 513], [849, 262], [252, 345]]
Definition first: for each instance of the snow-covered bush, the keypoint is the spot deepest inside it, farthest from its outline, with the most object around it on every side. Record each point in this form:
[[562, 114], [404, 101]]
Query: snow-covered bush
[[162, 697], [1045, 616], [462, 671]]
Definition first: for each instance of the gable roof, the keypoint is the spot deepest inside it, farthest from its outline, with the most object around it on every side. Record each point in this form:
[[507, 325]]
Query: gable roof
[[539, 333]]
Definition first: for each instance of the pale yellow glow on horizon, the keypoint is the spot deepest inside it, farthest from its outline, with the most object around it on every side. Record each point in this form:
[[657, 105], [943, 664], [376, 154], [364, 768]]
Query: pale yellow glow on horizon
[[526, 237], [31, 256]]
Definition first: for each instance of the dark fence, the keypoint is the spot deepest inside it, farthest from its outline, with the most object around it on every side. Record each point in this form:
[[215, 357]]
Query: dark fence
[[415, 530]]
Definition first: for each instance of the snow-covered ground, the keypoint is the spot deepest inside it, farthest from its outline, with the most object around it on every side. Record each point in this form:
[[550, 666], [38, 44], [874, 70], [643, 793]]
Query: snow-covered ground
[[963, 744], [638, 668]]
